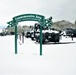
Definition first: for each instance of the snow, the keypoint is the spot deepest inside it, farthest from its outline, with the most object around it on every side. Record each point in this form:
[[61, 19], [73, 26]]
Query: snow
[[56, 59], [0, 30]]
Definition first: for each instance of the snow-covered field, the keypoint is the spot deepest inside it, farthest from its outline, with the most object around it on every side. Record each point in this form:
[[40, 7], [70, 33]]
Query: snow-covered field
[[57, 59]]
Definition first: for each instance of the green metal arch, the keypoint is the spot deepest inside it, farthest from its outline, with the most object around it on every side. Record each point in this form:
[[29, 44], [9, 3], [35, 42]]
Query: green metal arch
[[28, 17], [28, 14]]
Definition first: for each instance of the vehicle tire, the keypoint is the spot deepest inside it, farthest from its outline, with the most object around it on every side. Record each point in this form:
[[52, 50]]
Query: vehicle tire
[[57, 38], [43, 41], [37, 40], [32, 38], [26, 36]]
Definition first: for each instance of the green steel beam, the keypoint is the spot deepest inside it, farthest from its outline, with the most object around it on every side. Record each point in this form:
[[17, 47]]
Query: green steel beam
[[40, 40], [29, 17], [16, 39]]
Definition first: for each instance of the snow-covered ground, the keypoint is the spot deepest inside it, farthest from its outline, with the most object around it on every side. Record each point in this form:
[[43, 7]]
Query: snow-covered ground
[[57, 59]]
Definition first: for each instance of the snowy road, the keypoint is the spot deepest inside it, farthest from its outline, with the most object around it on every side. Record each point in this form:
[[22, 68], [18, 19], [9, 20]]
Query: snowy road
[[57, 59]]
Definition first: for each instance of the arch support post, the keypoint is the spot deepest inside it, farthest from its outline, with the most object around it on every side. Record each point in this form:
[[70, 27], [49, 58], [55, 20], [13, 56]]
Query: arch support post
[[40, 40], [16, 36]]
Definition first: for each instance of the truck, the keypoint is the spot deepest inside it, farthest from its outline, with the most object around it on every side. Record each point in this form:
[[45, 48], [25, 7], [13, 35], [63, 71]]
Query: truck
[[48, 34]]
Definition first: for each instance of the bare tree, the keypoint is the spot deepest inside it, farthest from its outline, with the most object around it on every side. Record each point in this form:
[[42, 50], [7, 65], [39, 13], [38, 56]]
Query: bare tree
[[75, 24]]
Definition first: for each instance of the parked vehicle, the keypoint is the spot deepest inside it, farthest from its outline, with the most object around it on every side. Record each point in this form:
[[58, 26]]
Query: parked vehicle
[[74, 32], [27, 34], [69, 32], [48, 35]]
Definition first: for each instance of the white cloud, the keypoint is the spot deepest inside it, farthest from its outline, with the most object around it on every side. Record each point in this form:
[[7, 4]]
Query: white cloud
[[11, 8], [59, 9]]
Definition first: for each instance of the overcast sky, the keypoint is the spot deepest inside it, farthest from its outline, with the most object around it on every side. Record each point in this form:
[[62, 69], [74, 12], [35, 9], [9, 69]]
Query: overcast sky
[[58, 9]]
